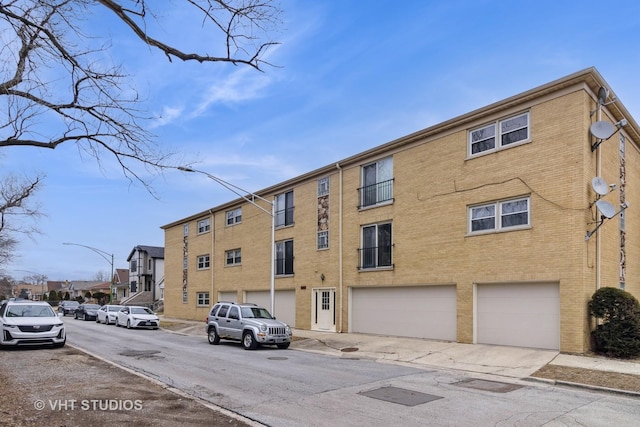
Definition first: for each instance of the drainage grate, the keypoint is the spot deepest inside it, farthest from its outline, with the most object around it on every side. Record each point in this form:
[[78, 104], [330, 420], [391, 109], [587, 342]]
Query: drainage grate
[[486, 385], [349, 349], [277, 358], [400, 396]]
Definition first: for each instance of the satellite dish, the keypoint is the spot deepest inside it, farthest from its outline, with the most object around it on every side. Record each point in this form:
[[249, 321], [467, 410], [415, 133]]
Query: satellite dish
[[602, 130], [600, 186], [603, 94], [606, 208]]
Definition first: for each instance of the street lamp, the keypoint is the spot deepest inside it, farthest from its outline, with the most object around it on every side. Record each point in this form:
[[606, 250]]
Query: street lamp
[[251, 198], [104, 255]]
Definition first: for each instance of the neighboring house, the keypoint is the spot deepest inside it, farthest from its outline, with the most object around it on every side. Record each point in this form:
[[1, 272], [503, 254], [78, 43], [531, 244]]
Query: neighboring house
[[79, 288], [120, 285], [494, 227], [146, 276]]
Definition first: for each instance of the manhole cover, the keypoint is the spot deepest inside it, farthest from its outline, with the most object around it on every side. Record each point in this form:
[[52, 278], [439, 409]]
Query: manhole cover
[[349, 349], [494, 386], [277, 358], [400, 396], [140, 353]]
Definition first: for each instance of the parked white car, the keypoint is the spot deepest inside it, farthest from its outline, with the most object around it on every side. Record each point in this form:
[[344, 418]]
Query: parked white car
[[30, 323], [137, 317], [108, 314]]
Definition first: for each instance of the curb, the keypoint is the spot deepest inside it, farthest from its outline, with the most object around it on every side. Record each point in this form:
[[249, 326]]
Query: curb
[[583, 386]]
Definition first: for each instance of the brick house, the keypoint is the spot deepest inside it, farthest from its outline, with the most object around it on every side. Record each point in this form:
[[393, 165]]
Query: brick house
[[493, 227]]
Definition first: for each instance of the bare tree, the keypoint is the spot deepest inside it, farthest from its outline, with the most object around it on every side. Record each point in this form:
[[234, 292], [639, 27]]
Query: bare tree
[[17, 212], [57, 90]]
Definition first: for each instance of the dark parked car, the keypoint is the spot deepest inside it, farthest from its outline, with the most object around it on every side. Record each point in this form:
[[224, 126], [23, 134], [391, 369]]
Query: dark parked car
[[68, 307], [87, 311]]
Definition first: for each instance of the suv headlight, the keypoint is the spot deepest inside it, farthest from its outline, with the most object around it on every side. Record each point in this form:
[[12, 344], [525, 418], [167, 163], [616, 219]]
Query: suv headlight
[[7, 325], [287, 330], [263, 328]]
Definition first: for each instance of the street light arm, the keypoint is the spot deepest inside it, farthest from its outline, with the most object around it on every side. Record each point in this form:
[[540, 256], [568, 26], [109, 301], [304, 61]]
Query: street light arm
[[240, 192], [106, 255]]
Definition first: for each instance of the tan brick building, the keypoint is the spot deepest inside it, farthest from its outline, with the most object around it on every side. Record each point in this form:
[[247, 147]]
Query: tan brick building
[[473, 230]]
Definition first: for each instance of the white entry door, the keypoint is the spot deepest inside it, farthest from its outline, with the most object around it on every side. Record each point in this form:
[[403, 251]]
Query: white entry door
[[323, 309]]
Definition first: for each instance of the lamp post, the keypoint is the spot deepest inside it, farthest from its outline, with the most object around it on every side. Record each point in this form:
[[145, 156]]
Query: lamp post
[[251, 198], [106, 255]]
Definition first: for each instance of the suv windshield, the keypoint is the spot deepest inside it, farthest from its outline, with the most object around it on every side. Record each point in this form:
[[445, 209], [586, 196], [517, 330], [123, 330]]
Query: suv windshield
[[255, 312], [27, 310]]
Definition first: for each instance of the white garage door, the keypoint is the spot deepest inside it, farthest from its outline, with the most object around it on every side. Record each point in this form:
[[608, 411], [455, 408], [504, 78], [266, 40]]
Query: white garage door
[[285, 304], [420, 312], [519, 314], [231, 296]]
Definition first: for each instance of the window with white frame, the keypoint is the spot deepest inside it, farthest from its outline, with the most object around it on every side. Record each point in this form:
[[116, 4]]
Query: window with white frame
[[204, 225], [377, 183], [284, 209], [203, 262], [323, 239], [500, 215], [377, 246], [284, 257], [202, 299], [233, 257], [499, 135], [323, 186], [234, 216]]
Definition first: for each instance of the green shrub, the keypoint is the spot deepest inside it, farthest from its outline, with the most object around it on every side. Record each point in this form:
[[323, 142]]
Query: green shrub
[[618, 334]]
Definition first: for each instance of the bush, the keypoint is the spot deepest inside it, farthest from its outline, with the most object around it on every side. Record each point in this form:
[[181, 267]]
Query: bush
[[619, 333]]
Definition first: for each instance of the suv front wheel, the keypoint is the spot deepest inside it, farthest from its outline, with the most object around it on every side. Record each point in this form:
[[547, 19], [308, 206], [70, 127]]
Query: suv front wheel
[[248, 341], [213, 336]]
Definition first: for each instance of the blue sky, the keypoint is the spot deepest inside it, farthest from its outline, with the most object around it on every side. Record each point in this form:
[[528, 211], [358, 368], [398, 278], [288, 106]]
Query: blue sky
[[351, 75]]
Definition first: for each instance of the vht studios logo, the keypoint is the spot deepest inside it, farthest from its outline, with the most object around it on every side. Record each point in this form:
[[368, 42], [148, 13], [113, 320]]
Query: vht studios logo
[[88, 405]]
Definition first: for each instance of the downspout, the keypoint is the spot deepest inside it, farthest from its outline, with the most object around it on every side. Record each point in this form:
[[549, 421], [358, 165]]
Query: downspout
[[340, 283], [213, 270], [598, 239]]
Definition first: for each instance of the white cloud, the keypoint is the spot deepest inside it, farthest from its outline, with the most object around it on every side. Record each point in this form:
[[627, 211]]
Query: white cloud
[[241, 85]]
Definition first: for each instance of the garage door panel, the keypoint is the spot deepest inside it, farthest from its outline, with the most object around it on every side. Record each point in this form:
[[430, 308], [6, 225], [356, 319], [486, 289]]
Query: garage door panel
[[421, 312], [523, 315], [285, 304]]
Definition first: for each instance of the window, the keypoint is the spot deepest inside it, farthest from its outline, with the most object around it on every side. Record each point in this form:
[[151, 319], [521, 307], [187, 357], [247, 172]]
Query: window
[[284, 209], [185, 263], [203, 262], [377, 246], [499, 215], [186, 230], [377, 183], [203, 298], [233, 257], [204, 225], [134, 265], [511, 130], [150, 264], [323, 186], [184, 297], [284, 257], [323, 239], [234, 216]]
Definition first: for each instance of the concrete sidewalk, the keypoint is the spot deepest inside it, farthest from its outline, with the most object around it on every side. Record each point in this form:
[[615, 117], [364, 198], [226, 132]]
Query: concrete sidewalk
[[512, 362]]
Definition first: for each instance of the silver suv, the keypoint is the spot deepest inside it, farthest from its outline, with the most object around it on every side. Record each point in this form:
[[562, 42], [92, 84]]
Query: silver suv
[[248, 323]]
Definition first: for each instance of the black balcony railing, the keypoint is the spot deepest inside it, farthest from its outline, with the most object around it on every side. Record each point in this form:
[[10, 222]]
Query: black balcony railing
[[375, 257], [374, 194]]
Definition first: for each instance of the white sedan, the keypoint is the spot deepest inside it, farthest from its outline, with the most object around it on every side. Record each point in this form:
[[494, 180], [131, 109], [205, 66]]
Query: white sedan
[[137, 317], [108, 314]]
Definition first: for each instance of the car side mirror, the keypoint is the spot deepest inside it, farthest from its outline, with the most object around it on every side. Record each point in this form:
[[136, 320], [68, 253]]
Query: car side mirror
[[60, 314]]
